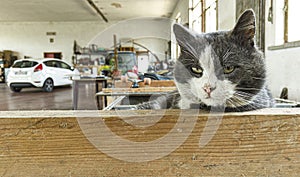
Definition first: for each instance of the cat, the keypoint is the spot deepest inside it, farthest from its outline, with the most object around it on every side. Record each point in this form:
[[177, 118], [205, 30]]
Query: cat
[[218, 69]]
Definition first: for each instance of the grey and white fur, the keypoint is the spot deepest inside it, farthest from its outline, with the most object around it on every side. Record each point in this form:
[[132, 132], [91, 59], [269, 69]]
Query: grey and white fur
[[218, 69]]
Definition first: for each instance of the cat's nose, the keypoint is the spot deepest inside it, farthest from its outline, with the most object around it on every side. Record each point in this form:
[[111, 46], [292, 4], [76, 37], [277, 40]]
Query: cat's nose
[[208, 89]]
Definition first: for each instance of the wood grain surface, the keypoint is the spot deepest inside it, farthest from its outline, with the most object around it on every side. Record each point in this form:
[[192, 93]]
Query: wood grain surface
[[52, 143], [138, 90]]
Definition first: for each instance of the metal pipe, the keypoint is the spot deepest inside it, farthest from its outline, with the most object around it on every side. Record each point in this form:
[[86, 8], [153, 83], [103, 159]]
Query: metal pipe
[[91, 3]]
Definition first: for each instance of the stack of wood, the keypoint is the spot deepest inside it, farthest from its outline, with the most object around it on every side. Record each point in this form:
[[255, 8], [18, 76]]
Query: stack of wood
[[153, 83]]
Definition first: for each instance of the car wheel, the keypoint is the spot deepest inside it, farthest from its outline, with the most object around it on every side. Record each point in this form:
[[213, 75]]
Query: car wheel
[[15, 89], [48, 85]]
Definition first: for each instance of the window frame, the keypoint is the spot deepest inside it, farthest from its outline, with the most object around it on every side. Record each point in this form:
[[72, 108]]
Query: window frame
[[286, 43], [203, 14], [286, 22], [67, 65]]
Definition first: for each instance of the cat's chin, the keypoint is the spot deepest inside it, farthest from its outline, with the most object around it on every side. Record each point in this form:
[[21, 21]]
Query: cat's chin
[[213, 102]]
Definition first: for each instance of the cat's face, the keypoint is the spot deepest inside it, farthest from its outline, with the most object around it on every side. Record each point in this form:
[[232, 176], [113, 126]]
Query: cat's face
[[222, 67]]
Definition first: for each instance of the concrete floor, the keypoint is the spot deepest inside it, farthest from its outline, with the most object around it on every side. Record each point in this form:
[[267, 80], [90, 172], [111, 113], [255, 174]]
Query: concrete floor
[[35, 99]]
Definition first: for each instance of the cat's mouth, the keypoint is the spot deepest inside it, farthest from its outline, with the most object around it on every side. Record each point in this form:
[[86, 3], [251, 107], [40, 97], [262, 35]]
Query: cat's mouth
[[212, 101], [230, 102]]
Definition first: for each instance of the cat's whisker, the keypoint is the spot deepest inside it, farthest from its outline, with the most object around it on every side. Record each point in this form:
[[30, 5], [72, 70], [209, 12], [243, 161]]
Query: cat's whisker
[[241, 98], [230, 103], [233, 102], [259, 78], [242, 102], [244, 88], [244, 94], [191, 50], [236, 105], [251, 103], [227, 54]]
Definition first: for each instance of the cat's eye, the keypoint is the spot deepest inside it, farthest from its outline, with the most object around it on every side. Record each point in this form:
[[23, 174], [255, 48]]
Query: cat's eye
[[197, 70], [228, 69]]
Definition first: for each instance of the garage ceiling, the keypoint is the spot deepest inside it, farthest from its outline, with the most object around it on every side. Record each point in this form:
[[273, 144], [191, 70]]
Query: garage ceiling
[[80, 10]]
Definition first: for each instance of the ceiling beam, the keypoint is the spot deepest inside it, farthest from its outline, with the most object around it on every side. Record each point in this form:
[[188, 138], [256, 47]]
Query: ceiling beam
[[91, 3]]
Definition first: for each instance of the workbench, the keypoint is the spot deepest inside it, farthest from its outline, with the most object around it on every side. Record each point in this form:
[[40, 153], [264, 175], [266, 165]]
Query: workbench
[[95, 85], [134, 95]]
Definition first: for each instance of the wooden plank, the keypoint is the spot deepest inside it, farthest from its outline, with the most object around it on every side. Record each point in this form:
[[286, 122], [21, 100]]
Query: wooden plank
[[51, 143], [141, 89]]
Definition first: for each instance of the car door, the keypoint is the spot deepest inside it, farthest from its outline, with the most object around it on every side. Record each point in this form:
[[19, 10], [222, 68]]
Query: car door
[[65, 72], [53, 71]]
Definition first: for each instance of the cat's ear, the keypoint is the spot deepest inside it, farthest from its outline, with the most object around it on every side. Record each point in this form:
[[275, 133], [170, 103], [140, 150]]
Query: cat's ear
[[244, 29], [184, 37]]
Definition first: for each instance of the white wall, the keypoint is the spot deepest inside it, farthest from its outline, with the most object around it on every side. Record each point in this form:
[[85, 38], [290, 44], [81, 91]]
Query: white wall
[[182, 8], [226, 14], [282, 65], [283, 71], [30, 39], [153, 33]]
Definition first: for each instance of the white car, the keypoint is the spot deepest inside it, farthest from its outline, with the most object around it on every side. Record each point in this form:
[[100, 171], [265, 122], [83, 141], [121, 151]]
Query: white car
[[43, 73]]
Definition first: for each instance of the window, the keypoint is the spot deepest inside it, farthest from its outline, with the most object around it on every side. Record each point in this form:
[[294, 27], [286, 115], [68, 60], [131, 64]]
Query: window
[[52, 63], [49, 63], [286, 26], [56, 64], [203, 15], [202, 18], [177, 48], [65, 66], [293, 15], [24, 64], [210, 15], [53, 55], [195, 19]]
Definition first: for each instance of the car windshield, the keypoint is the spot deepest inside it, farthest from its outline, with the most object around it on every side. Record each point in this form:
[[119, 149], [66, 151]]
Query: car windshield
[[24, 64]]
